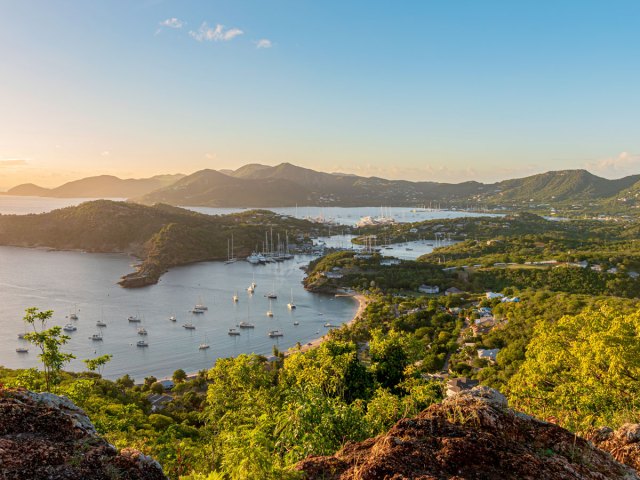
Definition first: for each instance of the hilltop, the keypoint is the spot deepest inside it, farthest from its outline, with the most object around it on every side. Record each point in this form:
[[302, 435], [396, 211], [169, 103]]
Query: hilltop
[[162, 236], [286, 185], [102, 186], [469, 436], [46, 436], [564, 185], [263, 186], [215, 189]]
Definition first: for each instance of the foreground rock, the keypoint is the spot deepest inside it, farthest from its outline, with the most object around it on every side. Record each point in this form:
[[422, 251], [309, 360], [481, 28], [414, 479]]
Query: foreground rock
[[623, 444], [43, 436], [470, 436]]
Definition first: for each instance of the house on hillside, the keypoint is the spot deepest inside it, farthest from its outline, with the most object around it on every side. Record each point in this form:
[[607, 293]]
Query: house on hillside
[[158, 402], [389, 261], [492, 295], [453, 291], [430, 289], [167, 384], [489, 354], [333, 274]]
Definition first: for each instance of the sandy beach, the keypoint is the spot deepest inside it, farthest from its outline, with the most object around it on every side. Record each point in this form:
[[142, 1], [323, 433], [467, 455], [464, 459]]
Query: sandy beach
[[362, 304], [363, 301]]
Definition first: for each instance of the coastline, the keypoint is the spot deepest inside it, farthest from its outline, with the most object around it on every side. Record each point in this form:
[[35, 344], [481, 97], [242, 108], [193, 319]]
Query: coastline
[[362, 300]]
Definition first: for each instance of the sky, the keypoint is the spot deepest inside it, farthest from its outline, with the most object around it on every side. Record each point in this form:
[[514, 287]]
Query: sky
[[421, 90]]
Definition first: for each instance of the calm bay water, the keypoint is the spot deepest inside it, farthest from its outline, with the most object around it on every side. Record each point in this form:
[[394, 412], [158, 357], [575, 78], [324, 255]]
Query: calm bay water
[[71, 281], [19, 205], [345, 216], [351, 215], [403, 251]]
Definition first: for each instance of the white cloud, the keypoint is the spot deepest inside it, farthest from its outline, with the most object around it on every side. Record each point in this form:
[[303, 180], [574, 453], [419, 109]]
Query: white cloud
[[210, 156], [12, 162], [217, 34], [624, 163], [106, 153], [264, 43], [172, 23]]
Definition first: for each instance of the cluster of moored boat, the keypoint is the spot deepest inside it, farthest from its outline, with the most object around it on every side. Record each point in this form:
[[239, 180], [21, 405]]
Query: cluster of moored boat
[[199, 308]]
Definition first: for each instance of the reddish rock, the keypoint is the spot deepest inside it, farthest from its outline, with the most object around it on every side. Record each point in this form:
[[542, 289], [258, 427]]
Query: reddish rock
[[43, 436], [472, 435], [623, 444]]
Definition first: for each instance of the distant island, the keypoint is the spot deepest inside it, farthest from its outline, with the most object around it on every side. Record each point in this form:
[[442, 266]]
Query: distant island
[[283, 185], [162, 236], [101, 186]]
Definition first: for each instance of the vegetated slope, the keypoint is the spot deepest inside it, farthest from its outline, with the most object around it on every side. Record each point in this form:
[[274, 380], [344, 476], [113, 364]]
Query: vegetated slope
[[256, 185], [470, 436], [102, 186], [246, 171], [162, 235], [287, 185], [46, 436], [96, 226], [563, 185], [214, 189]]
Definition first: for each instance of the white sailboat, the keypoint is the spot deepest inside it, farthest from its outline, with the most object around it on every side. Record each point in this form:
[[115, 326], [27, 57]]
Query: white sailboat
[[246, 324], [269, 312], [235, 297], [101, 323], [272, 294], [230, 257], [22, 350], [200, 307], [74, 315], [204, 345], [291, 305]]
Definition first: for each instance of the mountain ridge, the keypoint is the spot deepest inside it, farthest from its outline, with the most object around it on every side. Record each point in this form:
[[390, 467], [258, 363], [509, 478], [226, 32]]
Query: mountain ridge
[[285, 184], [97, 186]]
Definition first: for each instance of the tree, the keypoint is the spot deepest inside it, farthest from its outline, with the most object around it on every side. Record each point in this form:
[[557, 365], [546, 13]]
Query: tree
[[97, 364], [179, 376], [583, 370], [49, 341], [125, 382], [157, 387], [389, 357], [148, 381]]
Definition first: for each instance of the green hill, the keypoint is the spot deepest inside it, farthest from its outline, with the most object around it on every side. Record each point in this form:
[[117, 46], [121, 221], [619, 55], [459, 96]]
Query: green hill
[[162, 236], [563, 185], [214, 189]]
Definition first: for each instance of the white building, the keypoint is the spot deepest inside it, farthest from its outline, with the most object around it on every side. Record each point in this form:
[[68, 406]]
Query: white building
[[430, 289]]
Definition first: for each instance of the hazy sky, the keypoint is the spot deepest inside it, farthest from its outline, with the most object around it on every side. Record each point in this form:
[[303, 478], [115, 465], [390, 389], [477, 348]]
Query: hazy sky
[[424, 89]]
